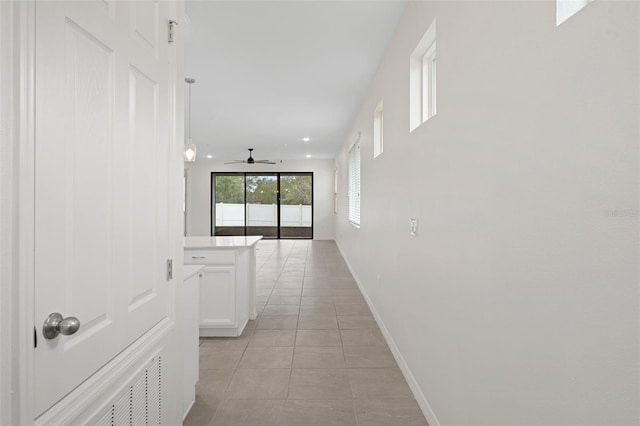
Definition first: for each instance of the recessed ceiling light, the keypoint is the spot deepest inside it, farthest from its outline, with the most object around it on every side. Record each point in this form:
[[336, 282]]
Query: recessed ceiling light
[[306, 139], [209, 156], [308, 155]]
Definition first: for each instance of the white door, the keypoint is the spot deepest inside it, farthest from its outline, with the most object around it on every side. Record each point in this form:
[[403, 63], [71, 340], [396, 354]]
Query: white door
[[101, 196]]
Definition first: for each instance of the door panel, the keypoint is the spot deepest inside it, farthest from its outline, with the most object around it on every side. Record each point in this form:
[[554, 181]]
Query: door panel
[[296, 205], [144, 22], [148, 193], [89, 70], [143, 106], [101, 199]]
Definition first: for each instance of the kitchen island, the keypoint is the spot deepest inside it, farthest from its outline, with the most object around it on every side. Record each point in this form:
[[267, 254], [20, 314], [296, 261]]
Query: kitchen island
[[228, 285]]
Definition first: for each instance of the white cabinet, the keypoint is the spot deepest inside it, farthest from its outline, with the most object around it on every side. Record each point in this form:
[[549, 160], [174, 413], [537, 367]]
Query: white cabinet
[[227, 287], [190, 293], [218, 298], [228, 283]]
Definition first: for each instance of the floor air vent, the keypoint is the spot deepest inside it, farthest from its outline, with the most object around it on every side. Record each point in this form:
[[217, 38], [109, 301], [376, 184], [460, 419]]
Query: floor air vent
[[140, 402]]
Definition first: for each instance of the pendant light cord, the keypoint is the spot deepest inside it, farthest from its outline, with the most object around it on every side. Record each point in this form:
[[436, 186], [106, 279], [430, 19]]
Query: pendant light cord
[[189, 146], [190, 81]]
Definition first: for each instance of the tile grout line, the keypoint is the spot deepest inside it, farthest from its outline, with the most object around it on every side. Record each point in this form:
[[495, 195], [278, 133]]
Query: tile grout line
[[321, 264]]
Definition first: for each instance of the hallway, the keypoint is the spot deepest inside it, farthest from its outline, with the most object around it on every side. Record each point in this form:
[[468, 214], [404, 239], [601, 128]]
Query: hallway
[[314, 356]]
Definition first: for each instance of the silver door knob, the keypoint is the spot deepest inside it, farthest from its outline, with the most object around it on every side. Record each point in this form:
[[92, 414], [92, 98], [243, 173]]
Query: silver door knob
[[55, 324]]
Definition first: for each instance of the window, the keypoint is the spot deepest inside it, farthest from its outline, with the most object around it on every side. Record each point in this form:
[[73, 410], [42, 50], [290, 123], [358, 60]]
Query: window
[[378, 132], [422, 79], [354, 183], [565, 9], [429, 83], [335, 191]]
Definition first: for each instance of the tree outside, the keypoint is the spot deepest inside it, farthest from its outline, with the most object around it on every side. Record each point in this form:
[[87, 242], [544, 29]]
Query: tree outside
[[229, 189], [262, 189], [295, 189]]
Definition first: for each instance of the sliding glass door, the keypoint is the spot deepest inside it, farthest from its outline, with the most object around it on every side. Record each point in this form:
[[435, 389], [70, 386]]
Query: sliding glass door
[[262, 205], [229, 203], [274, 205], [296, 205]]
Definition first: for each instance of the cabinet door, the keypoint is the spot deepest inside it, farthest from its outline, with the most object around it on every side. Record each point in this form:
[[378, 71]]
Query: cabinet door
[[218, 297]]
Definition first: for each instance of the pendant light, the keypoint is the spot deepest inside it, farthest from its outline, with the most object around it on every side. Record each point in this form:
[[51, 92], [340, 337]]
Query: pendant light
[[189, 147]]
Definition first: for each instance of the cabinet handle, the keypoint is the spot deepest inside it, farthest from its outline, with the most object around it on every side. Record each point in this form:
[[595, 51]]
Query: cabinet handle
[[197, 257]]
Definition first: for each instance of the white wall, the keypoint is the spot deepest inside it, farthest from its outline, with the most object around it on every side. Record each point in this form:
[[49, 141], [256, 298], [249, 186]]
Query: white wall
[[517, 302], [199, 191]]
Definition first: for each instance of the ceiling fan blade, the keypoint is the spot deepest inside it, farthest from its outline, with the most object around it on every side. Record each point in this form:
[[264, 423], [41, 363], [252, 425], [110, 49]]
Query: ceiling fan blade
[[250, 160]]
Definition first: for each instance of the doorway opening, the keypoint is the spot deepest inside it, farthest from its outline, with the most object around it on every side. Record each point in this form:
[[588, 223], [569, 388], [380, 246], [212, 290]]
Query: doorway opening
[[274, 205]]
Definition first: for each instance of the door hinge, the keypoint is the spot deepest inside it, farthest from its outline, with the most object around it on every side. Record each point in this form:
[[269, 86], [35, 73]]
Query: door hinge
[[171, 25], [169, 269]]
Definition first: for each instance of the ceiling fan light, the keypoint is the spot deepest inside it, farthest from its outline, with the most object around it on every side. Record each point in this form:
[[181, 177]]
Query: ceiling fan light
[[189, 152]]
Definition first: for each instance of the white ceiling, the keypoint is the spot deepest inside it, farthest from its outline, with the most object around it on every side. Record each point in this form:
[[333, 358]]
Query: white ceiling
[[269, 73]]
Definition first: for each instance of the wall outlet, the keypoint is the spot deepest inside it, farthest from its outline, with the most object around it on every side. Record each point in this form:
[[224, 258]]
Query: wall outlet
[[413, 230]]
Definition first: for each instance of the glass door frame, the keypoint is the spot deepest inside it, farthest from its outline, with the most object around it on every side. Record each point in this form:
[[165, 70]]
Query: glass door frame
[[212, 203]]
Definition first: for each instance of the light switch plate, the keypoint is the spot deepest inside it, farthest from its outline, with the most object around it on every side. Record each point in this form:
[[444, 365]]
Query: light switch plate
[[413, 227]]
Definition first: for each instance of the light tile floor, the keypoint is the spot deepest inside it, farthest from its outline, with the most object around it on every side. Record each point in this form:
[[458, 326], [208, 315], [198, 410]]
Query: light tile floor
[[314, 356]]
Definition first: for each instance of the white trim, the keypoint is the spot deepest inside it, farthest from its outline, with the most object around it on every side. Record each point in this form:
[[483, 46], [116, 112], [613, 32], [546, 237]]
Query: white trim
[[90, 395], [421, 399], [378, 129], [428, 80], [17, 32], [7, 192], [25, 318], [565, 9], [355, 142]]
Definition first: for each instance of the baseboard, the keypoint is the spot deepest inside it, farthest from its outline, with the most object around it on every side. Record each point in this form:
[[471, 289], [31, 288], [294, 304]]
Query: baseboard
[[188, 410], [402, 363]]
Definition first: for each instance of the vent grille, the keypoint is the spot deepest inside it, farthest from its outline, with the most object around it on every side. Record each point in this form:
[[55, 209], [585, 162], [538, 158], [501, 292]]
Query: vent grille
[[154, 399], [121, 409], [140, 402], [106, 419]]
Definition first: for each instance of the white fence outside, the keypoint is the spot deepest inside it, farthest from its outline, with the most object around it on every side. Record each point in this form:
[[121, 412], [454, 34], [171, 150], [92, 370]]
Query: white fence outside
[[263, 215]]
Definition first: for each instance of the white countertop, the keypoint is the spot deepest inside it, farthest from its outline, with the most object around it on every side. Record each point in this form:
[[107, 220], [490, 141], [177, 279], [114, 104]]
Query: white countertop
[[220, 242], [191, 270]]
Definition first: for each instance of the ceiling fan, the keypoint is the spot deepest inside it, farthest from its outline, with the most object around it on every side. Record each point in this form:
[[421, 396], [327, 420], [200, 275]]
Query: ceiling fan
[[250, 160]]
